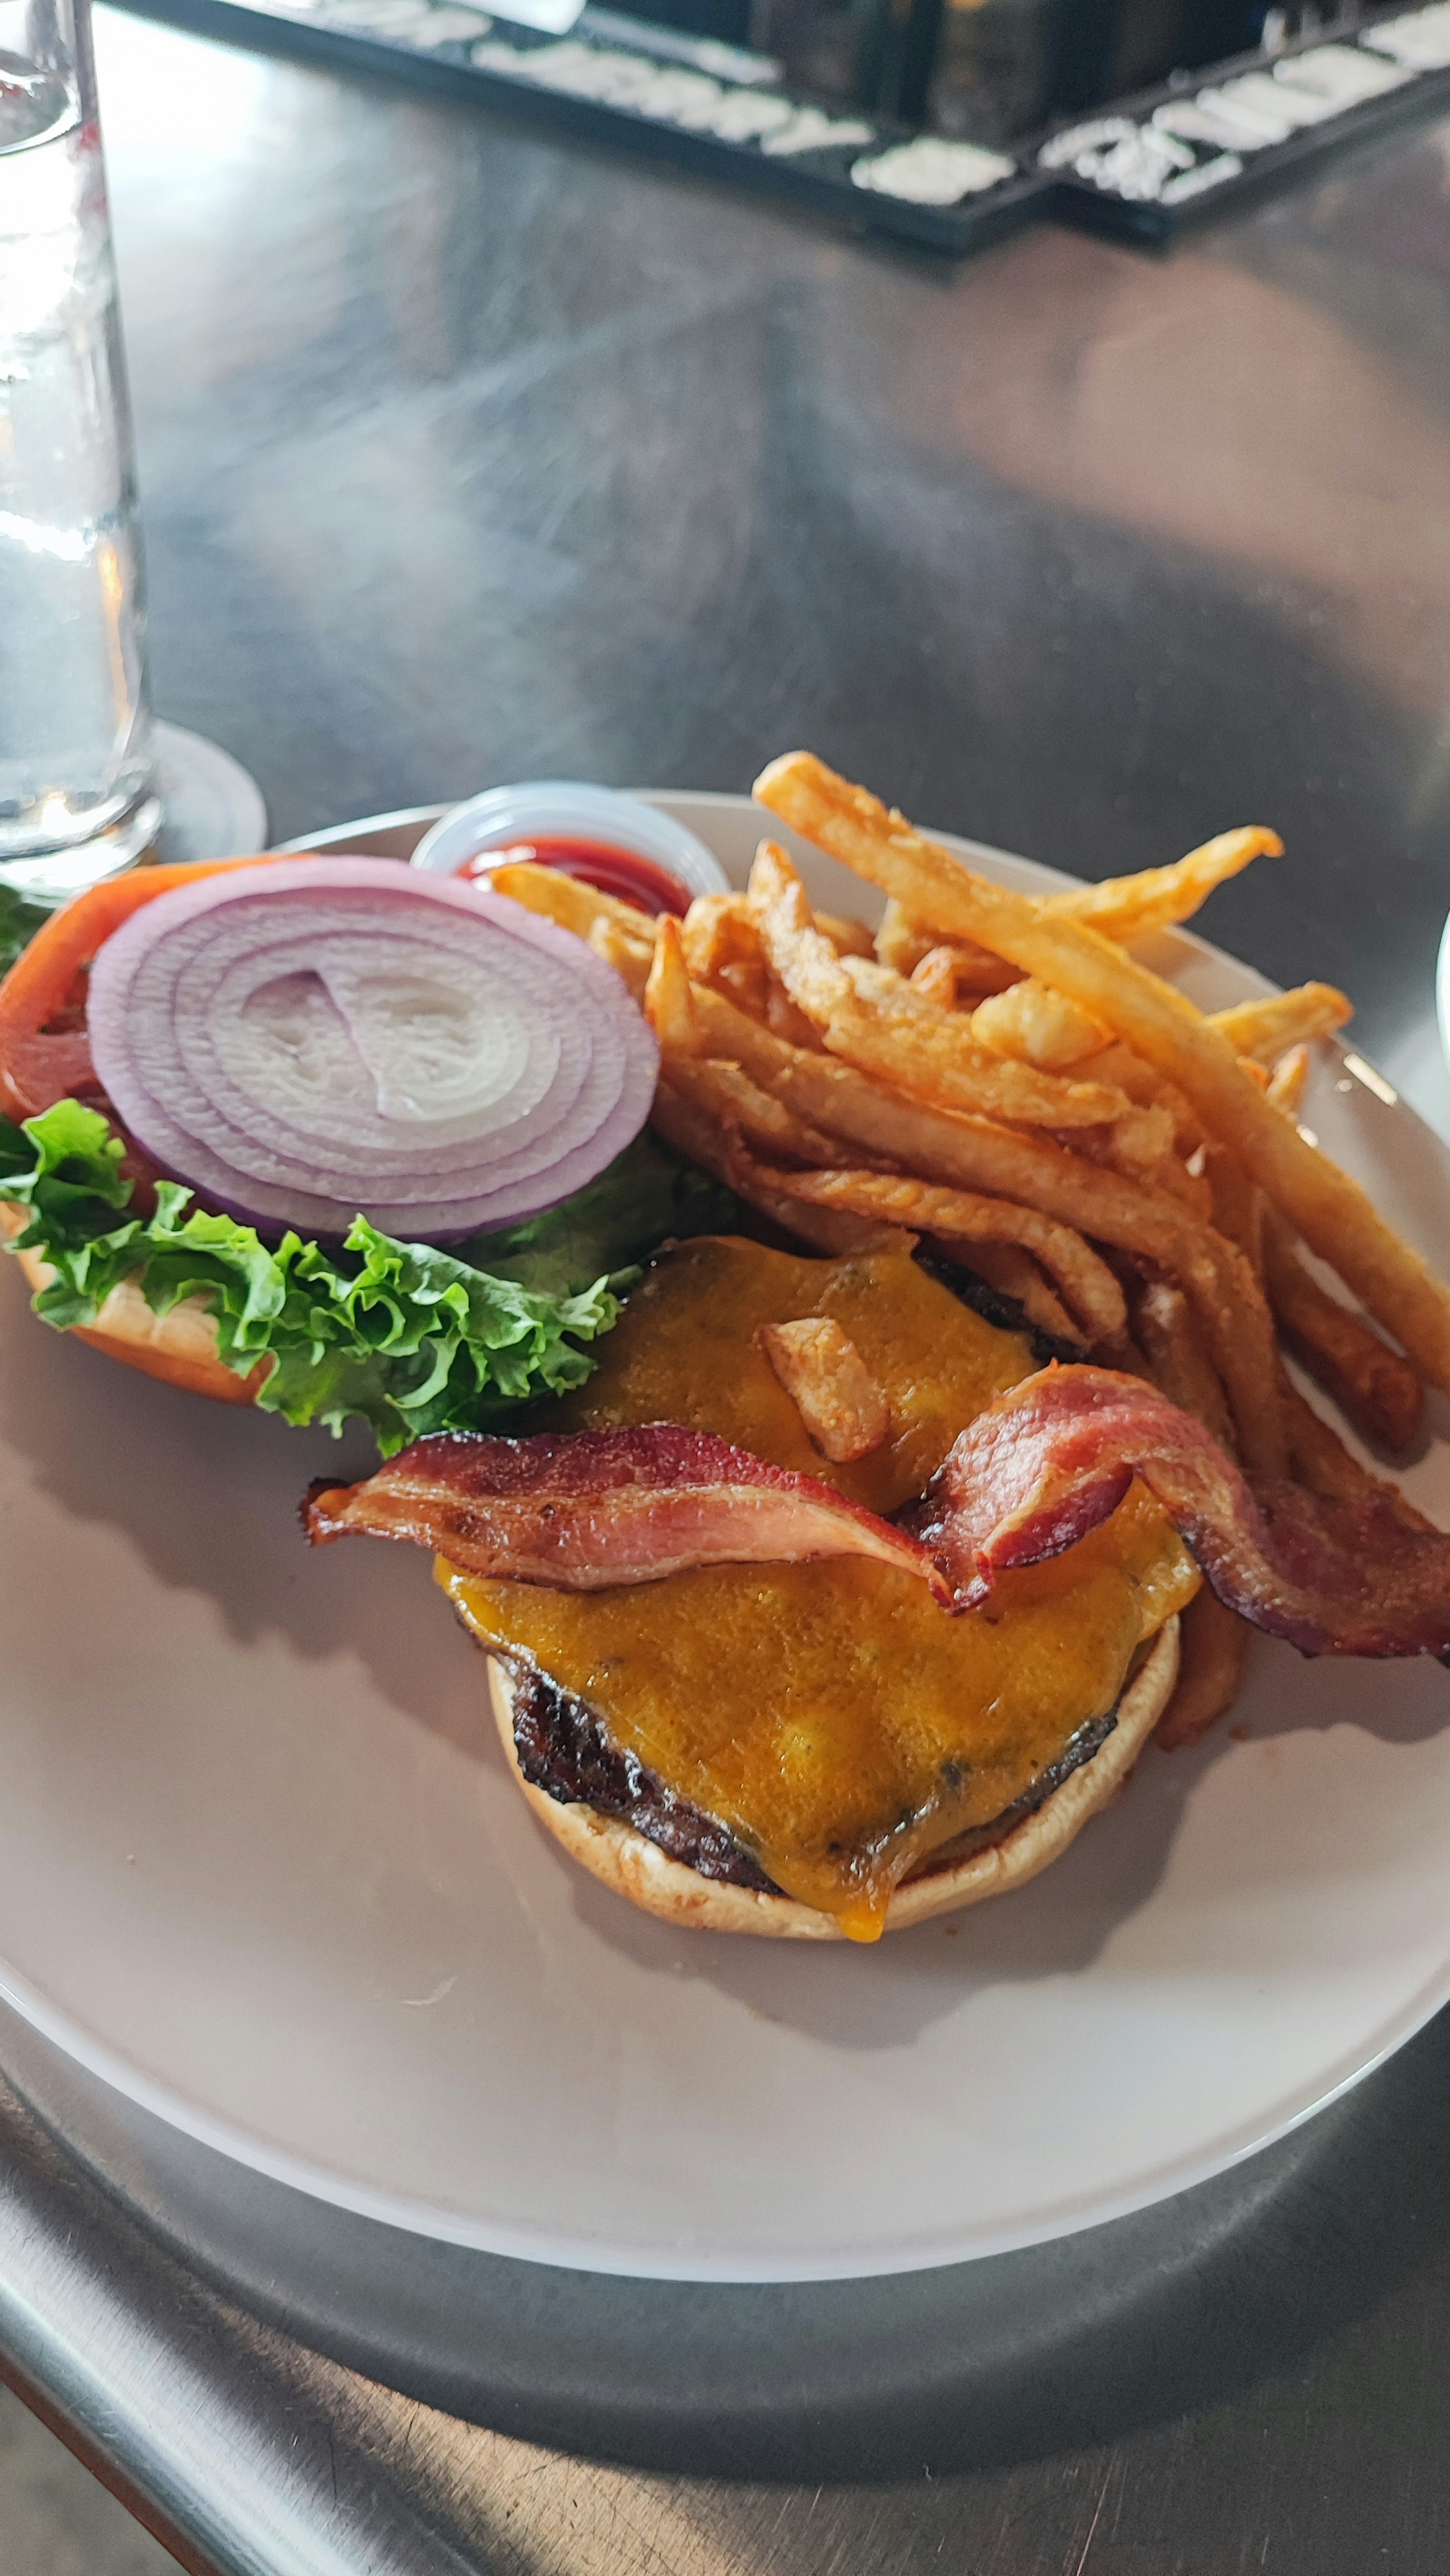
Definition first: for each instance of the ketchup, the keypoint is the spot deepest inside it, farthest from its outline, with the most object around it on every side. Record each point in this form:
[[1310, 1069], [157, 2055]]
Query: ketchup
[[599, 864]]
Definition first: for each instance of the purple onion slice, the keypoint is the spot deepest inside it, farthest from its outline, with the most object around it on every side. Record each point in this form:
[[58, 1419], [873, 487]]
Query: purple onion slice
[[325, 1038]]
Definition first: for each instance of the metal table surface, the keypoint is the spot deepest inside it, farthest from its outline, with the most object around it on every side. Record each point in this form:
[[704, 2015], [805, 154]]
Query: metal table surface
[[470, 456]]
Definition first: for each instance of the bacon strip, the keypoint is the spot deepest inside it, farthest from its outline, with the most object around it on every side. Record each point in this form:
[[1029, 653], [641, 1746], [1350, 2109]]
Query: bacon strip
[[586, 1510], [1054, 1456]]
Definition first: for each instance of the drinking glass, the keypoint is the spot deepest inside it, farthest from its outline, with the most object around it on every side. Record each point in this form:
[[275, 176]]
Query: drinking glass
[[77, 763]]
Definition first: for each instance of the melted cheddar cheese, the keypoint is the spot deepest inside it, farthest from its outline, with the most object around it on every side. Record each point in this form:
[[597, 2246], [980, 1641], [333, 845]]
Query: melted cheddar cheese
[[840, 1723]]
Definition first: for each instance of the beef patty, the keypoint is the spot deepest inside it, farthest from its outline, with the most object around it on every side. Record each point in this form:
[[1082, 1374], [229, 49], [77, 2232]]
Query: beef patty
[[565, 1749]]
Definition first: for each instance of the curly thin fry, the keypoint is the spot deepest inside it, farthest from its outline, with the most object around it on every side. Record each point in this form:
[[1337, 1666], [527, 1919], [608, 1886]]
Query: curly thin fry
[[698, 1135], [1086, 1284], [1331, 1211], [723, 1092], [1264, 1029]]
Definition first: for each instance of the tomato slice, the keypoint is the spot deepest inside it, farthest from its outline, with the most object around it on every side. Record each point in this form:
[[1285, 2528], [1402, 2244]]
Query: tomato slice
[[37, 1069]]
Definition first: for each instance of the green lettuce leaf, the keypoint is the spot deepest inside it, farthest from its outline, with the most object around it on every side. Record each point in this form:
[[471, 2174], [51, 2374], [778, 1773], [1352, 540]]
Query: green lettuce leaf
[[410, 1338]]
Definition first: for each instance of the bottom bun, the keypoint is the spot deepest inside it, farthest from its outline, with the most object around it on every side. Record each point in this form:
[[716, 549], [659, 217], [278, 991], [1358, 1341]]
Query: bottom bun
[[180, 1346], [635, 1867]]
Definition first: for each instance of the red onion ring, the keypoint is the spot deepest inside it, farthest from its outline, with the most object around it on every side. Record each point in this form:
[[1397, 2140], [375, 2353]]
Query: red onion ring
[[325, 1038]]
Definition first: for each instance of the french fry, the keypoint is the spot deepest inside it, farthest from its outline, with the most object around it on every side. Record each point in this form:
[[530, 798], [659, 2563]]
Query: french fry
[[828, 1382], [1168, 1337], [1319, 1459], [1238, 1207], [718, 931], [669, 1001], [875, 1021], [1331, 1211], [1131, 907], [723, 1092], [698, 1135], [1085, 1283], [1014, 1273], [1144, 1084], [723, 946], [1377, 1389], [975, 1154], [1264, 1029], [935, 974], [1213, 1645], [567, 900], [1287, 1081], [904, 944], [1041, 1027], [848, 937], [630, 960]]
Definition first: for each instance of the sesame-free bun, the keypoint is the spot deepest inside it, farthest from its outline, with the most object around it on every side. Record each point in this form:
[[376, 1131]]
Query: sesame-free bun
[[635, 1867], [180, 1347]]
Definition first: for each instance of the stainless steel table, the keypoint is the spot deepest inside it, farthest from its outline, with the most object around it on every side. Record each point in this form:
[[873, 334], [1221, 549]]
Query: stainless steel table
[[468, 457]]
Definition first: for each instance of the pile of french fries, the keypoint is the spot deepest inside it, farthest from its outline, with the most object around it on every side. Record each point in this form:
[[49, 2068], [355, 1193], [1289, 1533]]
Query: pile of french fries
[[996, 1074]]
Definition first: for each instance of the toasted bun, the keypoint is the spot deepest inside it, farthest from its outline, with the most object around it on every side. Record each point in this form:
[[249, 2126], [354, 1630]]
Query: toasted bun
[[180, 1347], [635, 1867]]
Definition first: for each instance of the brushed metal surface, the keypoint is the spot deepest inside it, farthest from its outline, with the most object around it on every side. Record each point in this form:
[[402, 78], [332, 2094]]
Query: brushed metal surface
[[469, 455]]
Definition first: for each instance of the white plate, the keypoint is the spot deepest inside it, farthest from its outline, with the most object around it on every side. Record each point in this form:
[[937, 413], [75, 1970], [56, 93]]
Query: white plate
[[261, 1868]]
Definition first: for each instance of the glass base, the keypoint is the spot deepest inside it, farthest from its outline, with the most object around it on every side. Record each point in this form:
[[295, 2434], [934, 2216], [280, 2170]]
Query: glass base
[[205, 806]]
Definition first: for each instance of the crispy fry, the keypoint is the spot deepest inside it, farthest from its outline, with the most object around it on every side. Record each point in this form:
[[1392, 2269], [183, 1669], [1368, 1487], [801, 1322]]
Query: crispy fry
[[1319, 1459], [828, 1382], [973, 1153], [1088, 1287], [1373, 1385], [1014, 1273], [718, 930], [1238, 1207], [1130, 907], [722, 946], [904, 944], [567, 900], [669, 1001], [783, 1018], [1287, 1081], [1168, 1337], [698, 1134], [1330, 1210], [1144, 1084], [723, 1092], [936, 975], [1039, 1026], [1264, 1029], [871, 1018], [628, 958], [1213, 1645], [848, 937]]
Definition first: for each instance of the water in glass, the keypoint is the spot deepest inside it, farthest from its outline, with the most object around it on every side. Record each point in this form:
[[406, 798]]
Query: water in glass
[[75, 733]]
